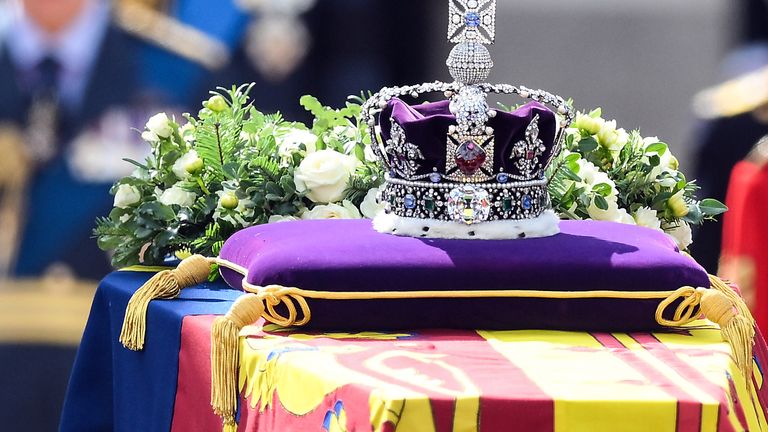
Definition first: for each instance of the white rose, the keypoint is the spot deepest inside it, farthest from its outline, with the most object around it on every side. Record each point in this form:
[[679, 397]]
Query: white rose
[[612, 213], [325, 175], [160, 125], [149, 137], [681, 233], [333, 211], [278, 219], [592, 176], [178, 196], [291, 142], [677, 204], [647, 217], [587, 170], [187, 132], [589, 124], [371, 206], [625, 217], [611, 138], [126, 196], [667, 161], [668, 181], [183, 164]]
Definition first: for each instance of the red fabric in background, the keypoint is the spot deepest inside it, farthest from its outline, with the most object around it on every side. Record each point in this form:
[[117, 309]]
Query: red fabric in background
[[745, 237]]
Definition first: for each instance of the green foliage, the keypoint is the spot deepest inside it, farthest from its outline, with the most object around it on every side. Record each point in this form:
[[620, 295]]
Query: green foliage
[[227, 168], [607, 173]]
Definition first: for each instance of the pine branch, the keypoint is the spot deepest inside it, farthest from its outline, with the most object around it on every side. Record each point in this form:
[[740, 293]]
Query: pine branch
[[217, 126]]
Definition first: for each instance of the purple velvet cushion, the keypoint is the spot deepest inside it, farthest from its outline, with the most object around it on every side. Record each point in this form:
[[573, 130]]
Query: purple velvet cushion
[[348, 255]]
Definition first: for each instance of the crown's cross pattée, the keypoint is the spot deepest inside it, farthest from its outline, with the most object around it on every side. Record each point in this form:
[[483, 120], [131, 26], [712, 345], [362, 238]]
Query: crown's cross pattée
[[472, 20]]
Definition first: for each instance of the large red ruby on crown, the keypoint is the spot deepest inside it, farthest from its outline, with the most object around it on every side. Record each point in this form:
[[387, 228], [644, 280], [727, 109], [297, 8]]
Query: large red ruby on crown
[[470, 157]]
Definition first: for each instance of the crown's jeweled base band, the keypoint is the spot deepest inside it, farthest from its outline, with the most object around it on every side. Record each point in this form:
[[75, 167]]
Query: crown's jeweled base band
[[466, 203], [545, 225]]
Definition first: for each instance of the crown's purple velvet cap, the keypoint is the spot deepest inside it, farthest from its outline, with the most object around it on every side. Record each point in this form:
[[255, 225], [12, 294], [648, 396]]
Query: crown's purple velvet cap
[[426, 126], [348, 255]]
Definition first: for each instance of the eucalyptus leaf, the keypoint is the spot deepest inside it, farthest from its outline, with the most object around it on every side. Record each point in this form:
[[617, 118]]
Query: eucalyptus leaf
[[712, 207], [602, 189], [654, 160], [601, 203], [273, 188], [695, 215], [588, 145], [659, 148]]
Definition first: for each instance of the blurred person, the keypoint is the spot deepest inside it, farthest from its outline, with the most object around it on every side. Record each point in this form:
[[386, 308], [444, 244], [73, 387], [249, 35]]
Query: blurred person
[[75, 77], [736, 116], [744, 257], [69, 80], [329, 49]]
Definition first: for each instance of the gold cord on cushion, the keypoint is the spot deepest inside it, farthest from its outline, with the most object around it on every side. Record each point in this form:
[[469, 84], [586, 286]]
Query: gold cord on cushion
[[164, 285]]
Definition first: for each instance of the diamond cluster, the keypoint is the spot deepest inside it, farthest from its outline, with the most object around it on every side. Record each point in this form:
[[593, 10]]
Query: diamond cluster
[[404, 157]]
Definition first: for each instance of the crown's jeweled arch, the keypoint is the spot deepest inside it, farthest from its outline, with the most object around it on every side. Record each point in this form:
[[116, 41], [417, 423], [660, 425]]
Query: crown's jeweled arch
[[492, 182]]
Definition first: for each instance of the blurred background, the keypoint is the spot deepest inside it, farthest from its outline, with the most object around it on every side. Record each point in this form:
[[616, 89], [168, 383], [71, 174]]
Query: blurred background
[[77, 75]]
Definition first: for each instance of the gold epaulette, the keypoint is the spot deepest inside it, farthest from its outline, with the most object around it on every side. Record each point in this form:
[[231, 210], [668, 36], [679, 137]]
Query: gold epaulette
[[737, 96], [160, 29]]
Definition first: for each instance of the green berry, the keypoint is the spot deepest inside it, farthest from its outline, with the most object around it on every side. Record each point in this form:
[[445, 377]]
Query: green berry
[[229, 201], [195, 166], [216, 103]]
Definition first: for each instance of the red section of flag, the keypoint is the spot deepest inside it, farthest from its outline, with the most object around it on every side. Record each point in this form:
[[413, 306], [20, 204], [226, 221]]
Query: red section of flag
[[688, 408], [192, 410]]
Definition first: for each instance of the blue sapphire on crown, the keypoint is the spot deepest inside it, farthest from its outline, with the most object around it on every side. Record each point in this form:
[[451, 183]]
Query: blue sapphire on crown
[[472, 19]]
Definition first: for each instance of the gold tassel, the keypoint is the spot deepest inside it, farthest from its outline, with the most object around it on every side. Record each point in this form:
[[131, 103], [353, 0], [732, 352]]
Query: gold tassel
[[225, 355], [165, 285], [722, 305]]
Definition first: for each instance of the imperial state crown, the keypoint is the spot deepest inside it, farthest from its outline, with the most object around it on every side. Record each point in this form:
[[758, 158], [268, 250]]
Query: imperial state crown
[[458, 168]]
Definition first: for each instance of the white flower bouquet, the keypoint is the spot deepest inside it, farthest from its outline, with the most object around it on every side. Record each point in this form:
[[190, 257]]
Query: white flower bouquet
[[232, 167], [606, 173]]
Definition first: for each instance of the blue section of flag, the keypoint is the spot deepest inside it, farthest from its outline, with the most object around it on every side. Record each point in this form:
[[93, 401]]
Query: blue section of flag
[[147, 379]]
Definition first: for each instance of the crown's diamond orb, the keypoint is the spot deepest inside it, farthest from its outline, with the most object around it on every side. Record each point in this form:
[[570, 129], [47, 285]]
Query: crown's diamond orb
[[469, 62], [470, 157], [468, 204], [472, 19], [472, 4], [435, 177], [409, 201], [502, 177]]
